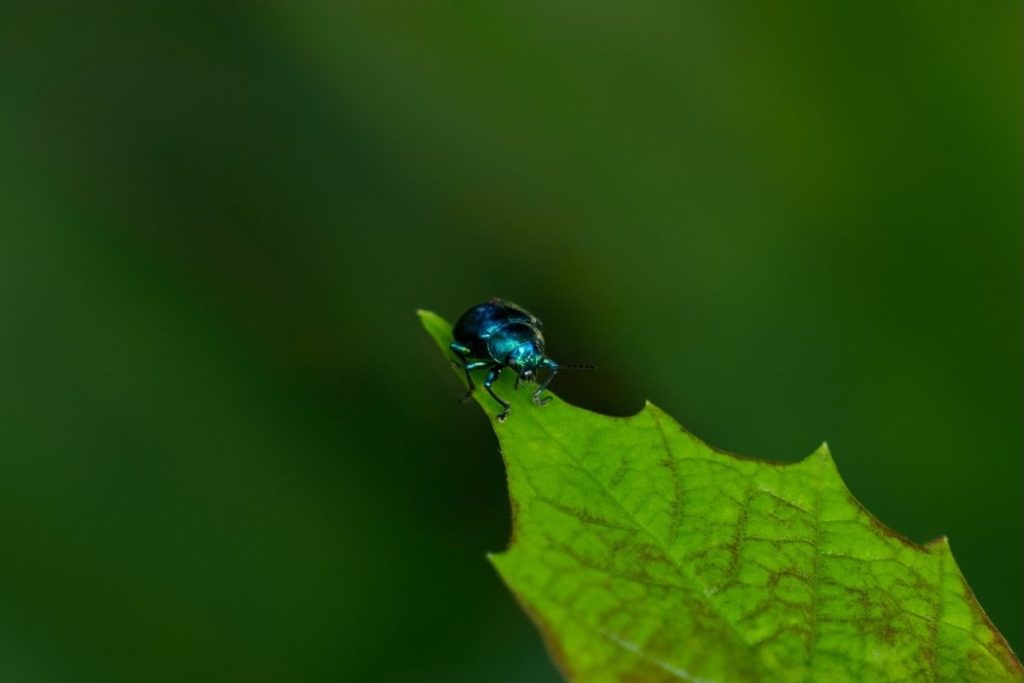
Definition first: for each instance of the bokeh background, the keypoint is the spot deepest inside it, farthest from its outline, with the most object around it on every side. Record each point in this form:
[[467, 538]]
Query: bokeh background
[[228, 452]]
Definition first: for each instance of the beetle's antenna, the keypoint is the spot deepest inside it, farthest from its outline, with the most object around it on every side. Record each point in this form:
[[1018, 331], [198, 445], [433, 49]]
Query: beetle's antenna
[[576, 366]]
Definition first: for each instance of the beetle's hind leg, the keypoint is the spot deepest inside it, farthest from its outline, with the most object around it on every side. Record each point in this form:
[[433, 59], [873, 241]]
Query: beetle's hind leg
[[492, 376], [466, 365]]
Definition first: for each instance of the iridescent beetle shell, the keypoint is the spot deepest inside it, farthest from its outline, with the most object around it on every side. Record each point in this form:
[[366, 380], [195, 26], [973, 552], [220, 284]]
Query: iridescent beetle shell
[[497, 335]]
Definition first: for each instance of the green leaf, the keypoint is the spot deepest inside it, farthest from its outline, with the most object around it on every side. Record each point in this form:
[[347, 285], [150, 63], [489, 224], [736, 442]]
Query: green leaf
[[642, 554]]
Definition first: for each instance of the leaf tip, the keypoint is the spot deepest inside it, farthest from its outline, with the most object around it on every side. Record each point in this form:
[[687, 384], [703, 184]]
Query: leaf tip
[[427, 317], [821, 455], [650, 407], [497, 560], [436, 326], [939, 544]]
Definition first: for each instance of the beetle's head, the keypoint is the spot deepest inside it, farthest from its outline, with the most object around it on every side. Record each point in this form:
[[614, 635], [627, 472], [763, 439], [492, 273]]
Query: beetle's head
[[527, 360]]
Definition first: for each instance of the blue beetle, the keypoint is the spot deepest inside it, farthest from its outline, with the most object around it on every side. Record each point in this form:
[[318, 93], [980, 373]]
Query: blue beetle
[[497, 335]]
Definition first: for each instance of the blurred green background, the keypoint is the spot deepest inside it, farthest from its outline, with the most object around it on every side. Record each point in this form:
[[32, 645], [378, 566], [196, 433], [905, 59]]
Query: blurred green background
[[229, 453]]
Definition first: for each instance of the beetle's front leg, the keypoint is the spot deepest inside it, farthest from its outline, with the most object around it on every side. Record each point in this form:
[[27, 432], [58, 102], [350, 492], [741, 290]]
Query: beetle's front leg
[[537, 399], [492, 376]]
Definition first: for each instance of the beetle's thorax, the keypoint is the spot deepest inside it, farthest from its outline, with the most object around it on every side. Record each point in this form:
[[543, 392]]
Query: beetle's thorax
[[526, 358]]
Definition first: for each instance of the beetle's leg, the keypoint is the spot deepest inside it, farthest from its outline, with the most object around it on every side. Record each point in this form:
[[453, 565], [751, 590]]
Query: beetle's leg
[[473, 365], [537, 400], [466, 365], [460, 350], [463, 353], [492, 376]]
